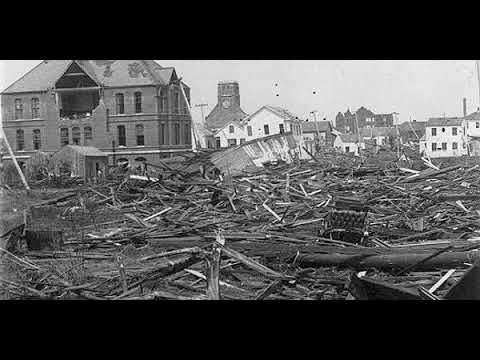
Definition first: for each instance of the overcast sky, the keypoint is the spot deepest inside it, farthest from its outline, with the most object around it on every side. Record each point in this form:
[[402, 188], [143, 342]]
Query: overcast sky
[[414, 88]]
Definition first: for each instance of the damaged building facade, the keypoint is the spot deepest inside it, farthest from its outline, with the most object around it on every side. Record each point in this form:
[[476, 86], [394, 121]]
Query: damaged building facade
[[133, 110]]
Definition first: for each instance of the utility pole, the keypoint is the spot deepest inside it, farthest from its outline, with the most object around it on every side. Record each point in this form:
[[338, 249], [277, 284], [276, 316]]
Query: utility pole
[[201, 106], [314, 113], [478, 78]]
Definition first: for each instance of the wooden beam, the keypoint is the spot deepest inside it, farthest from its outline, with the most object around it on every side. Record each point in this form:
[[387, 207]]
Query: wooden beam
[[20, 172]]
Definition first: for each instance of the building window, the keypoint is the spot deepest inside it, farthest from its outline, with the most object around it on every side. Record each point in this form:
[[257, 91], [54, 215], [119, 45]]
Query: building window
[[120, 104], [434, 146], [35, 108], [122, 136], [162, 135], [282, 128], [187, 134], [266, 129], [176, 134], [231, 129], [347, 149], [87, 135], [37, 142], [454, 131], [18, 109], [20, 140], [163, 100], [139, 134], [76, 136], [454, 146], [477, 125], [249, 130], [443, 129], [242, 141], [176, 103], [434, 131], [138, 102], [64, 136], [218, 143], [232, 142], [444, 146]]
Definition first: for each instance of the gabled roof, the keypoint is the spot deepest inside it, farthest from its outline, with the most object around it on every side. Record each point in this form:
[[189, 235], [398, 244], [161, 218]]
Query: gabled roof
[[108, 73], [219, 116], [283, 113], [453, 121], [314, 126], [349, 138], [473, 116]]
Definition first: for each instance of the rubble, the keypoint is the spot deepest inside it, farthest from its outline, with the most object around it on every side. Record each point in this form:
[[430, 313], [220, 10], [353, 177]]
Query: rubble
[[190, 231]]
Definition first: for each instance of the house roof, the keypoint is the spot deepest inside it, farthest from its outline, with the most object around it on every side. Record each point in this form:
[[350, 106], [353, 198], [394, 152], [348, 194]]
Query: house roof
[[220, 117], [108, 73], [349, 138], [378, 131], [416, 125], [473, 116], [284, 113], [453, 121], [87, 150], [314, 126]]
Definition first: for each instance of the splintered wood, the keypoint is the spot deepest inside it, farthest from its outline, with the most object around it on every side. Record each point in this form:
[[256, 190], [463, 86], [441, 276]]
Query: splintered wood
[[187, 231]]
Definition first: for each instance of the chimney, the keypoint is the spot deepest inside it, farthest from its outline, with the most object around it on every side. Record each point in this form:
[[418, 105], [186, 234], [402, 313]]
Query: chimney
[[464, 107]]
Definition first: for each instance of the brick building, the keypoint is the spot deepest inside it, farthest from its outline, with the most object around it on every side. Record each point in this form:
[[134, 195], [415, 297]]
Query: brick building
[[363, 118], [130, 109]]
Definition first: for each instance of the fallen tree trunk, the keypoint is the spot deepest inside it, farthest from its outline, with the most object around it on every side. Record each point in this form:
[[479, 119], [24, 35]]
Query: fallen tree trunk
[[390, 261]]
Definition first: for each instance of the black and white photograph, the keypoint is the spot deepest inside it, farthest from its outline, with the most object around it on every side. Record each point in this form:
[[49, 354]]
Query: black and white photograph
[[249, 180]]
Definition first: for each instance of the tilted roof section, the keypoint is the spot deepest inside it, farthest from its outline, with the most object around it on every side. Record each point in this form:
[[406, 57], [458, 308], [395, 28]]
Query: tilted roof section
[[108, 73], [453, 121], [314, 126]]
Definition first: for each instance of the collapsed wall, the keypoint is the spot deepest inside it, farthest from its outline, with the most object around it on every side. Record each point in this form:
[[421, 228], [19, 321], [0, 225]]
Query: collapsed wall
[[255, 153]]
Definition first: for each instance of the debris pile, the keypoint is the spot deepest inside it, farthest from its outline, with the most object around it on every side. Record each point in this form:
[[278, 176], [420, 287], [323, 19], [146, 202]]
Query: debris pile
[[193, 233]]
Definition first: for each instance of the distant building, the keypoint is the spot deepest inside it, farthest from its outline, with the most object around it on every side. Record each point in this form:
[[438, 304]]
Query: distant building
[[266, 121], [412, 131], [349, 143], [347, 123], [444, 137], [228, 107], [317, 133], [379, 136]]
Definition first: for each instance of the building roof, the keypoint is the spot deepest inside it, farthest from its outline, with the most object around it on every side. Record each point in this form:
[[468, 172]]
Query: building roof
[[284, 113], [219, 117], [314, 126], [378, 131], [416, 125], [108, 73], [349, 138], [453, 121], [87, 150], [473, 116]]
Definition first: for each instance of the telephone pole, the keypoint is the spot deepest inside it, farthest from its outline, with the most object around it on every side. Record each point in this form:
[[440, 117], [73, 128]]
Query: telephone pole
[[201, 106]]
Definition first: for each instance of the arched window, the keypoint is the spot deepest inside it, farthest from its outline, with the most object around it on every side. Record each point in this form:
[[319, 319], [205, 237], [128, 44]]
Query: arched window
[[231, 129], [138, 102], [20, 140], [18, 109], [139, 134], [87, 135], [35, 108], [76, 136], [64, 136], [37, 142], [120, 103], [176, 135]]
